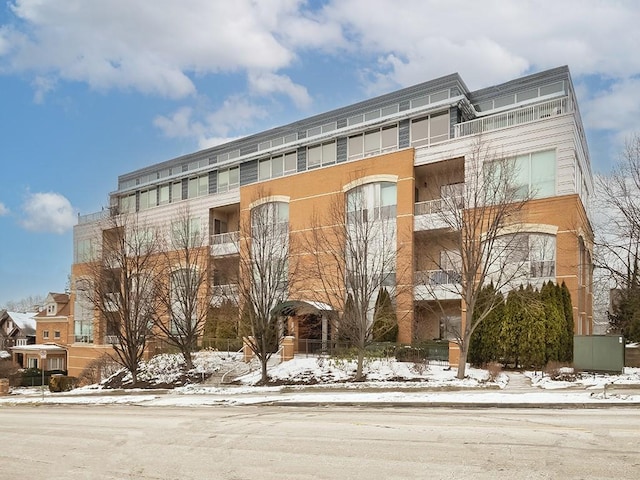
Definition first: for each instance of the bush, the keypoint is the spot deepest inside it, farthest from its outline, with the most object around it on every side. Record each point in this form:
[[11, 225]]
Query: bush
[[559, 371], [494, 369], [9, 370], [97, 370], [62, 383]]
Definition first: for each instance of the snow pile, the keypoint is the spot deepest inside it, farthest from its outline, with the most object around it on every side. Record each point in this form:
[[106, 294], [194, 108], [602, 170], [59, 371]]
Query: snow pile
[[630, 376], [168, 370], [320, 370]]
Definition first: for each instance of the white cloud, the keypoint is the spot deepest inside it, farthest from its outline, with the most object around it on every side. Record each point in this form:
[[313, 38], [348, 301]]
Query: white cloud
[[4, 210], [171, 48], [235, 114], [151, 47], [266, 83], [48, 212]]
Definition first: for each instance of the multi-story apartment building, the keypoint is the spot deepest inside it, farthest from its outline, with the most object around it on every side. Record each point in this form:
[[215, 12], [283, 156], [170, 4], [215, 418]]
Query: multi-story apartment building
[[405, 154]]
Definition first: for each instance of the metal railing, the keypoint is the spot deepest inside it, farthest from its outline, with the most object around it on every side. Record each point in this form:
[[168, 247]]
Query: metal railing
[[437, 205], [223, 238], [92, 217], [437, 277], [510, 118], [83, 338]]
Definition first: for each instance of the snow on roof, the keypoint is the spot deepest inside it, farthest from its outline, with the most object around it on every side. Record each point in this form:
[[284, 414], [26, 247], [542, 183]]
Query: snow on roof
[[49, 347], [24, 321]]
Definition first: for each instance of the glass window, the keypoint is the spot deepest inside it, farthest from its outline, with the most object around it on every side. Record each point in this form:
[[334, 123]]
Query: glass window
[[277, 166], [163, 195], [290, 163], [127, 204], [439, 96], [355, 119], [439, 127], [264, 169], [176, 191], [390, 110], [420, 131], [504, 101], [312, 132], [45, 334], [371, 143], [371, 115], [527, 94], [553, 88], [420, 101], [543, 173], [355, 147], [314, 156], [329, 153], [389, 138], [148, 199]]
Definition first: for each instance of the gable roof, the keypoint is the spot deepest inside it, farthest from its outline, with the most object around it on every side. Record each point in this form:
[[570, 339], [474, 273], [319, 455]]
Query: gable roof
[[25, 322]]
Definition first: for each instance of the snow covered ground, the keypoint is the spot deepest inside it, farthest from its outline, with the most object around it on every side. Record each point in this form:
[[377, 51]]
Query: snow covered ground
[[320, 380]]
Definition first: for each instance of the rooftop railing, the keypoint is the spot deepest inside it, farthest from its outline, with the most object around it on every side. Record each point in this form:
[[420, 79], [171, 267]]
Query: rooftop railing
[[510, 118]]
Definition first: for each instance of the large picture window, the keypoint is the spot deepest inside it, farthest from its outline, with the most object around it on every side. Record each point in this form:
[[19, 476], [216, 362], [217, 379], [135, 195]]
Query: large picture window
[[373, 142], [533, 254], [320, 155], [372, 201], [431, 129], [228, 179]]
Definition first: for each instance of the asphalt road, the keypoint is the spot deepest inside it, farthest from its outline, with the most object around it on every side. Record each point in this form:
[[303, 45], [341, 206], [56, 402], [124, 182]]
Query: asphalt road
[[259, 442]]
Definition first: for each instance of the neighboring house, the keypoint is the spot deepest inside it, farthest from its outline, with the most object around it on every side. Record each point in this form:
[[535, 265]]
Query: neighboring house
[[51, 335], [402, 155], [53, 320], [17, 329]]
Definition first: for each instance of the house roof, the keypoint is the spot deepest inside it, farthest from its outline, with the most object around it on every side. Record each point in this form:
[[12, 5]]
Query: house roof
[[62, 300], [49, 347], [24, 321]]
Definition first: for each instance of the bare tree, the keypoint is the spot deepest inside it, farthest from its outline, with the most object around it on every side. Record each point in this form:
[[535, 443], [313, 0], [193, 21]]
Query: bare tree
[[30, 303], [184, 293], [351, 254], [617, 247], [481, 245], [266, 275], [120, 285]]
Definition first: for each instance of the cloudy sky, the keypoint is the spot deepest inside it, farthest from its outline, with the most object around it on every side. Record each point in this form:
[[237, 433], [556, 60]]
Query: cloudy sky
[[90, 89]]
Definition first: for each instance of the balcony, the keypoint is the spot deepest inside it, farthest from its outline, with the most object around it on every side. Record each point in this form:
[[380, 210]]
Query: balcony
[[225, 244], [430, 215], [437, 285], [224, 293], [518, 116]]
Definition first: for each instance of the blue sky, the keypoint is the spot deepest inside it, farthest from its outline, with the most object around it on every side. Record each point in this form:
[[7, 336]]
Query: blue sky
[[93, 89]]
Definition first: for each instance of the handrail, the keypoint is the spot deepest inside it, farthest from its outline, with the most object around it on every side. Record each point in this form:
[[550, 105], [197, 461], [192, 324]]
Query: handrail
[[517, 116]]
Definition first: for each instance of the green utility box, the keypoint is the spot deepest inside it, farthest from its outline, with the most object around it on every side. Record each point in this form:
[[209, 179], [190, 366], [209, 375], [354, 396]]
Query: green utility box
[[598, 353]]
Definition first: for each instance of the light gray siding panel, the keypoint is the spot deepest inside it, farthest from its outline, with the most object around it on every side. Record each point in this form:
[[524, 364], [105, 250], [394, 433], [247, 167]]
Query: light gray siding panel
[[249, 172], [404, 134], [302, 159], [213, 181], [341, 150]]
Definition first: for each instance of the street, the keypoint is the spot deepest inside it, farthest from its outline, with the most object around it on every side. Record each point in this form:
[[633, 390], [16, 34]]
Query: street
[[131, 442]]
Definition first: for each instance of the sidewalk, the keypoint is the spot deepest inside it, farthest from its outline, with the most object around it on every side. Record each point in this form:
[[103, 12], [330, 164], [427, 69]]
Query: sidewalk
[[518, 393]]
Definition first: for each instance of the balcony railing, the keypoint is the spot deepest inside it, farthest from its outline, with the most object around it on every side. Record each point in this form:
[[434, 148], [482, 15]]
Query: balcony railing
[[510, 118], [437, 277], [92, 217], [225, 243], [438, 205], [223, 238], [83, 338]]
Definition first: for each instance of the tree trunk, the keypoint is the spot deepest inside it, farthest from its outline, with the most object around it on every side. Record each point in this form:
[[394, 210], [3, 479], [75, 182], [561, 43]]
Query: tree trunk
[[263, 365], [462, 362], [359, 368]]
